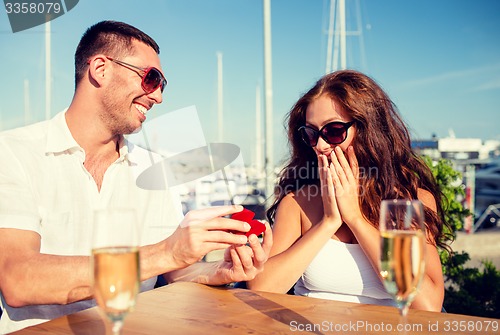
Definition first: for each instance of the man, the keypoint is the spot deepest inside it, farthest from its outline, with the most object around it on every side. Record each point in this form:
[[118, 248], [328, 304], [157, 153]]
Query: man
[[54, 174]]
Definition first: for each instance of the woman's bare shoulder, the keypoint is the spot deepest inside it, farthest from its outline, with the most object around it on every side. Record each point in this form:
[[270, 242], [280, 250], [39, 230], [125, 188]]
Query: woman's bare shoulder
[[427, 199], [301, 199], [306, 201], [307, 194]]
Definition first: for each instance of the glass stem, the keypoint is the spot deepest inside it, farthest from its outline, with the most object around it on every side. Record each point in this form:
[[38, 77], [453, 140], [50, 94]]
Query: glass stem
[[117, 327], [404, 310]]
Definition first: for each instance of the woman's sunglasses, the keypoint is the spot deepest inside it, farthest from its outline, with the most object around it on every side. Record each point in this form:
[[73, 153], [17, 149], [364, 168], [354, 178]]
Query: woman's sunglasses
[[151, 76], [333, 133]]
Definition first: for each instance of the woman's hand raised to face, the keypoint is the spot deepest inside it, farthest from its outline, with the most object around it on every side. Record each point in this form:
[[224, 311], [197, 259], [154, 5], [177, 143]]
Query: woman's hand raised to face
[[331, 214], [345, 177]]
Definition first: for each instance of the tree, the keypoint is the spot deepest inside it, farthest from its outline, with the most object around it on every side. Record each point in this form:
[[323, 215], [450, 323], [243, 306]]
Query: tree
[[469, 291], [472, 291], [449, 181]]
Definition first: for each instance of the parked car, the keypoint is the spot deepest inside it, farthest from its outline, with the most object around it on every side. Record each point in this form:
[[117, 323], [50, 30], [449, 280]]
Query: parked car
[[487, 191]]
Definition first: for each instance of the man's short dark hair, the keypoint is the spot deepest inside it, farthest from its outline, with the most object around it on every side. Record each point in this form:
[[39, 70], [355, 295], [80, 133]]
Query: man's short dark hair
[[110, 38]]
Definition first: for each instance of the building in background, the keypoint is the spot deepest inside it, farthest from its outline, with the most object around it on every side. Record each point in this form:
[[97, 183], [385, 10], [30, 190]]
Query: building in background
[[479, 163]]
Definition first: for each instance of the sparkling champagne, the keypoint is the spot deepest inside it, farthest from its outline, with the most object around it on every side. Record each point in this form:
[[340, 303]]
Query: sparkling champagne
[[116, 279], [402, 263]]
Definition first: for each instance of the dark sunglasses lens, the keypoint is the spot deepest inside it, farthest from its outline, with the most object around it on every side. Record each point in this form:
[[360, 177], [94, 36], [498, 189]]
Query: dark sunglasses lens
[[152, 80], [336, 133], [309, 136]]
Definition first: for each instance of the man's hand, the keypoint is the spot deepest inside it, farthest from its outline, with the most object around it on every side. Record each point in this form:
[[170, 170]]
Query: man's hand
[[205, 230], [243, 262]]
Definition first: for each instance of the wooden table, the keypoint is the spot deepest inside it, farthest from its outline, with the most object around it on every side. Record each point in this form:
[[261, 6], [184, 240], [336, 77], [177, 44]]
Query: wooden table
[[187, 308]]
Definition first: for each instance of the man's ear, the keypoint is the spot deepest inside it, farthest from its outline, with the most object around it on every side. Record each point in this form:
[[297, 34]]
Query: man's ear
[[98, 69]]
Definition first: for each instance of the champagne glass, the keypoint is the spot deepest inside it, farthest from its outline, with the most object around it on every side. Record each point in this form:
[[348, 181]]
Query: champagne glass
[[402, 257], [115, 263]]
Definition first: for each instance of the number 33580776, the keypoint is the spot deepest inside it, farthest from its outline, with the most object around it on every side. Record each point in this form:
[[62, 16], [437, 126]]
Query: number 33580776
[[32, 8]]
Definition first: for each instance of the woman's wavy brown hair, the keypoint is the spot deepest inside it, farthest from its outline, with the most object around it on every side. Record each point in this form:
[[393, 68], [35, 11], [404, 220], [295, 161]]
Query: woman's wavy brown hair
[[389, 169]]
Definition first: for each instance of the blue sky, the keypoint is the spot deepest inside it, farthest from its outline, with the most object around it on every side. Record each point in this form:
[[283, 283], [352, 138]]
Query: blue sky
[[439, 60]]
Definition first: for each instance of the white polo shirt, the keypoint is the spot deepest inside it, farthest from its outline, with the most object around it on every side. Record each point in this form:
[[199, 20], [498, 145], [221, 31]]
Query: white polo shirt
[[45, 188]]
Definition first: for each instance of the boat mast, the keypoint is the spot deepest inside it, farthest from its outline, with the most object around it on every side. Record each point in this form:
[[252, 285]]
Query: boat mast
[[342, 32], [330, 38], [268, 99], [337, 36], [220, 101], [258, 131]]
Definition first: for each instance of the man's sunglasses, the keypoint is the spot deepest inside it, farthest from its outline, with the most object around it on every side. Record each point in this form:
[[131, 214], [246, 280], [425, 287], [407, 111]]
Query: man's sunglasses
[[333, 133], [151, 76]]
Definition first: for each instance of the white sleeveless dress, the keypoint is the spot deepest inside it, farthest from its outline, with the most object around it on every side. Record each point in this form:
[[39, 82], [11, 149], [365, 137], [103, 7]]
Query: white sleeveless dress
[[342, 272]]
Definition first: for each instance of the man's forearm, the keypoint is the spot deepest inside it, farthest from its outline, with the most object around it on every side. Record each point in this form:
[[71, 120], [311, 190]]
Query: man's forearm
[[48, 279], [201, 272]]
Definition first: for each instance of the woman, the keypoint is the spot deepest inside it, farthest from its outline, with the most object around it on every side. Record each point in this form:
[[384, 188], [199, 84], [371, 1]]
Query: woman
[[350, 150]]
